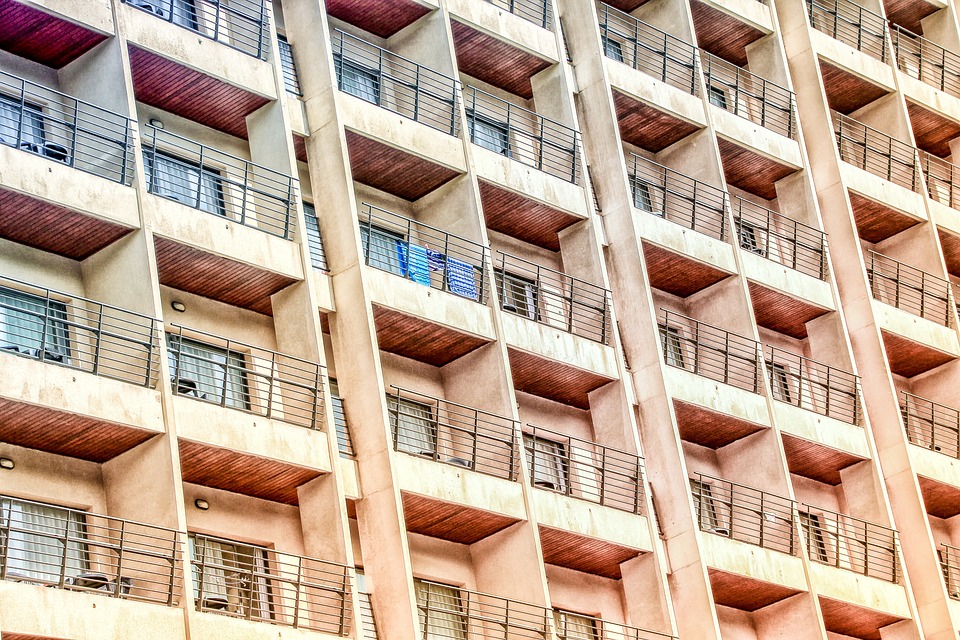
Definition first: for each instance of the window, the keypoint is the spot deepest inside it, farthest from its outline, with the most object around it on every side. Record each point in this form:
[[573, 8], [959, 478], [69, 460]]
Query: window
[[779, 382], [812, 528], [717, 97], [488, 133], [547, 462], [208, 372], [382, 248], [184, 182], [648, 197], [39, 538], [314, 244], [230, 577], [358, 80], [33, 325], [184, 13], [749, 237], [573, 626], [340, 419], [705, 508], [517, 294], [28, 123], [613, 49], [672, 345], [440, 609], [415, 428]]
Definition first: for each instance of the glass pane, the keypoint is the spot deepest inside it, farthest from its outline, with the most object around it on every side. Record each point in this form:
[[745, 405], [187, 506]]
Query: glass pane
[[43, 542], [29, 324], [208, 372]]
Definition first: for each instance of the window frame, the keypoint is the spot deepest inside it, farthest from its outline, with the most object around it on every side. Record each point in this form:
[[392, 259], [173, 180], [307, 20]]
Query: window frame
[[241, 396], [54, 322], [203, 173], [502, 130], [552, 473], [457, 619], [418, 434], [671, 346], [344, 65], [511, 286], [254, 601]]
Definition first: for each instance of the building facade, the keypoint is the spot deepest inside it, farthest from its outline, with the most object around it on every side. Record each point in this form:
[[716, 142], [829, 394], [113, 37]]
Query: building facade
[[459, 319]]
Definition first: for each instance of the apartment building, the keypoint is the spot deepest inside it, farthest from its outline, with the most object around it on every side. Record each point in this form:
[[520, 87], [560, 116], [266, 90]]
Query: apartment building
[[462, 319]]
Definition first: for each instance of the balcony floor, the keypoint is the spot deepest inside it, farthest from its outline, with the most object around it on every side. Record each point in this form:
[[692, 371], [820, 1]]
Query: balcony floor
[[420, 339], [678, 274], [932, 131], [380, 17], [847, 92], [495, 61], [909, 358], [941, 500], [723, 34], [876, 221], [751, 171], [782, 313], [553, 380], [449, 521], [389, 169], [515, 215]]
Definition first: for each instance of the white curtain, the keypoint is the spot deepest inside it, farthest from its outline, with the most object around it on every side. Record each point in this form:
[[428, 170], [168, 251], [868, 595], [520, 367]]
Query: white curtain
[[207, 366], [548, 463], [184, 182], [440, 612], [29, 322], [571, 626], [31, 128], [416, 426], [41, 540]]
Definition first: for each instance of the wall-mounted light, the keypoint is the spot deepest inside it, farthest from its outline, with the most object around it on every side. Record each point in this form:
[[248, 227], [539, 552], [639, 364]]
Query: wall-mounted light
[[201, 504], [7, 463], [156, 123], [178, 306]]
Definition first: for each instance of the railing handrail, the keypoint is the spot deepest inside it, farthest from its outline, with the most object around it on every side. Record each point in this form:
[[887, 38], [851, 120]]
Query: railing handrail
[[528, 9], [746, 487], [836, 7], [272, 550], [948, 60], [470, 592], [187, 332], [906, 279], [804, 237], [898, 154]]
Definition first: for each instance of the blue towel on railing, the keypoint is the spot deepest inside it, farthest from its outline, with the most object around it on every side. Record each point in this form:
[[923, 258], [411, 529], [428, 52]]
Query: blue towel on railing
[[414, 263], [460, 278], [437, 260]]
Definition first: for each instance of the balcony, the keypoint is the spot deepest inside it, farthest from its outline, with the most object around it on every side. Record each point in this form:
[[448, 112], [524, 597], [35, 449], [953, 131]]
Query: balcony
[[850, 543], [776, 237], [522, 135], [238, 24], [744, 514], [943, 179], [813, 386], [570, 626], [80, 551], [931, 425], [750, 96], [266, 585], [950, 563], [850, 24], [912, 290], [539, 12], [876, 152], [926, 61], [291, 80], [453, 612]]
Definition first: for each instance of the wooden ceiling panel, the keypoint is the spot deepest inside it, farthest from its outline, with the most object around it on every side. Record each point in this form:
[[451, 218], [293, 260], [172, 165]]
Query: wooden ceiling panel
[[876, 221], [712, 429], [599, 557], [846, 92], [626, 5], [420, 339], [779, 312], [218, 278], [242, 473], [722, 34], [908, 358], [908, 13], [65, 434], [648, 127], [750, 170], [54, 228], [745, 593], [676, 273], [816, 461], [300, 147], [553, 380], [188, 93], [941, 500], [379, 17], [850, 620], [951, 251], [33, 34], [495, 61], [392, 170], [932, 131], [448, 521], [522, 218]]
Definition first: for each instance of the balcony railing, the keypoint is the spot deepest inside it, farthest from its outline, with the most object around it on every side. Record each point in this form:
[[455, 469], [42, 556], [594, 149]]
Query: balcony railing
[[912, 290], [950, 564], [749, 96], [536, 11], [240, 24], [452, 433], [244, 377], [75, 133], [709, 351], [926, 61], [784, 240], [265, 585], [943, 179], [522, 135], [850, 543], [344, 440], [673, 196], [72, 549], [553, 298], [366, 616], [746, 514], [585, 470], [422, 253], [218, 183], [590, 628], [813, 386], [648, 49], [931, 425], [451, 612], [290, 79], [851, 24], [395, 83], [74, 332], [874, 151]]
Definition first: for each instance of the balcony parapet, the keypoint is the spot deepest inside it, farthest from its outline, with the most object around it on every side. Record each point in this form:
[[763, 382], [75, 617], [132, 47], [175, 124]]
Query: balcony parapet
[[814, 386], [850, 24], [779, 238], [750, 96], [931, 425], [909, 289], [876, 152], [850, 543]]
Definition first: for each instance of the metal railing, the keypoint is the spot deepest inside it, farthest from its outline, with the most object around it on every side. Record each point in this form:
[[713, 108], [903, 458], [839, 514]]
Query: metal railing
[[709, 351], [591, 628], [451, 612], [395, 83], [290, 79], [749, 96], [739, 512], [318, 255], [851, 24], [673, 196], [950, 564], [522, 135], [366, 616], [72, 549], [813, 386], [218, 183], [344, 440], [553, 298], [585, 470], [931, 425], [266, 585], [422, 253], [78, 134], [850, 543], [453, 433], [239, 24], [943, 179], [912, 290], [784, 240], [538, 12], [926, 61], [874, 151], [78, 333], [648, 49], [240, 376]]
